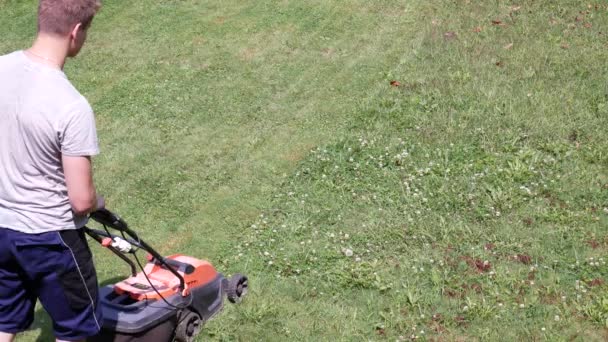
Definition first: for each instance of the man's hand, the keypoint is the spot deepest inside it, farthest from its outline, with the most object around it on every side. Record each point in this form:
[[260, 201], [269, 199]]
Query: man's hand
[[79, 181]]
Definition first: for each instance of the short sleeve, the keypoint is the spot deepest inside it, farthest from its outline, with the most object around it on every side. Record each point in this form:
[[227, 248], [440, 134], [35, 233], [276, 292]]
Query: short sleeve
[[78, 133]]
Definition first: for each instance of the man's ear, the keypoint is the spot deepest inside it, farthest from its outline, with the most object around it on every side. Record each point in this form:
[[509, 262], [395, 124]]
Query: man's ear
[[74, 32]]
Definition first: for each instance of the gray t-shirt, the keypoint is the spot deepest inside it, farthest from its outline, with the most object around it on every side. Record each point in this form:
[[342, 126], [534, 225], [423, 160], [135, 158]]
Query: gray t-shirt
[[42, 117]]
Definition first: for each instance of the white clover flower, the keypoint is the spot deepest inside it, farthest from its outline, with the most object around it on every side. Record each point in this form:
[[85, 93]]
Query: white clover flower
[[347, 252], [543, 329], [522, 305], [556, 318], [270, 262]]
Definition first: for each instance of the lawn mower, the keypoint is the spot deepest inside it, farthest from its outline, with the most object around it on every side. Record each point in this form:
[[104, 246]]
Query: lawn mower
[[168, 300]]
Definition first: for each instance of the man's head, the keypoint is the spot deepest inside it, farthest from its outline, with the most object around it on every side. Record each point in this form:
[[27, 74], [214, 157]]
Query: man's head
[[67, 19]]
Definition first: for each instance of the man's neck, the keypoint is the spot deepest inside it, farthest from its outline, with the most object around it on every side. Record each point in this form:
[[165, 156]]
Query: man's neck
[[50, 50]]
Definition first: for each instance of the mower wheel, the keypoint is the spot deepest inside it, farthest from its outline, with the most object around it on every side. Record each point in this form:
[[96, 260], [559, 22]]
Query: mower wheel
[[237, 288], [189, 326]]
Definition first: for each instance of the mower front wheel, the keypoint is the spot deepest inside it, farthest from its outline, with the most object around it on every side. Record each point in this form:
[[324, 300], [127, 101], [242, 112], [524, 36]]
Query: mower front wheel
[[237, 288], [189, 326]]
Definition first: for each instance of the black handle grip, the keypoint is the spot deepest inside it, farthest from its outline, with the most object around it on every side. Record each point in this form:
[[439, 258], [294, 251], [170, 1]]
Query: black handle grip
[[188, 269], [108, 218]]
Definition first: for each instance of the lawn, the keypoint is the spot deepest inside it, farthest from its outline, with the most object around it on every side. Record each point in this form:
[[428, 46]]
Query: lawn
[[381, 170]]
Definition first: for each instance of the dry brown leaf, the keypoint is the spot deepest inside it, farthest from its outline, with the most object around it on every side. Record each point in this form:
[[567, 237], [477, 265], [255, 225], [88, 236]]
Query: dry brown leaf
[[595, 282], [478, 29], [395, 83], [523, 258], [450, 35], [588, 25], [508, 46], [579, 18], [499, 64], [565, 46], [497, 22]]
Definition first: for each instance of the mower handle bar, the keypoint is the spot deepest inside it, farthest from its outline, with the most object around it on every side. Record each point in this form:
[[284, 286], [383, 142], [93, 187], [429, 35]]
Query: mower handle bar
[[97, 236], [109, 219], [187, 268]]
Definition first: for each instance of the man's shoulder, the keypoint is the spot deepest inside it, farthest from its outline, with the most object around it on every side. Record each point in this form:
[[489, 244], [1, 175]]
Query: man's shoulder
[[10, 55], [60, 90], [9, 59]]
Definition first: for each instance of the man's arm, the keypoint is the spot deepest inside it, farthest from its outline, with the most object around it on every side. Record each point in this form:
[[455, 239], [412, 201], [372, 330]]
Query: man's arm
[[78, 174]]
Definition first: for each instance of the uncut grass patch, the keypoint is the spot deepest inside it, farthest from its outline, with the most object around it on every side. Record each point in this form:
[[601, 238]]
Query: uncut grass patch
[[466, 199]]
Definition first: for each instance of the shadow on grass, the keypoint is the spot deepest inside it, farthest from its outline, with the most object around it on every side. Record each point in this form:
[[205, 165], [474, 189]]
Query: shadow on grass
[[43, 322]]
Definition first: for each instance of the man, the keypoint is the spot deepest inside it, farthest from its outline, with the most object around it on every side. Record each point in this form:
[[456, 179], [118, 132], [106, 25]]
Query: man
[[47, 136]]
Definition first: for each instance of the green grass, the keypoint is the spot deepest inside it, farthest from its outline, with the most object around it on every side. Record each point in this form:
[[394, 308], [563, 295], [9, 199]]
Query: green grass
[[266, 137]]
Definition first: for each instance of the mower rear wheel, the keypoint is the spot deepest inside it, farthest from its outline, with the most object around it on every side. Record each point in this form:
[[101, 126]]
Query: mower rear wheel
[[237, 288], [189, 326]]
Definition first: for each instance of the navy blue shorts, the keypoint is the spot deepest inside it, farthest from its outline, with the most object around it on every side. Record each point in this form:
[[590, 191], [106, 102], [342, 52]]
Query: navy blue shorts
[[55, 268]]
